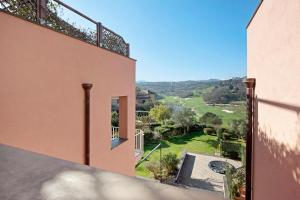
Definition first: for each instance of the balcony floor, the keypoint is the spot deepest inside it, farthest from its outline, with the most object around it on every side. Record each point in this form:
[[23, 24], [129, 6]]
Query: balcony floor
[[31, 176]]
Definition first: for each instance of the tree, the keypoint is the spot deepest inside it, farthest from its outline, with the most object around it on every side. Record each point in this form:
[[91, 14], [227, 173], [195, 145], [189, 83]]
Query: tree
[[160, 113], [211, 119], [219, 95], [185, 117], [239, 128], [243, 129], [234, 126], [115, 119], [226, 92]]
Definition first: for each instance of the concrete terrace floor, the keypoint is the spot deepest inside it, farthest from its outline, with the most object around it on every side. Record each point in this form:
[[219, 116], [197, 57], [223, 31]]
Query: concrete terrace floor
[[196, 173], [30, 176]]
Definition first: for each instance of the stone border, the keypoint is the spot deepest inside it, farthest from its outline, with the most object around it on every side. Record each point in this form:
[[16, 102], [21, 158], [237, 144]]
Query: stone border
[[180, 164]]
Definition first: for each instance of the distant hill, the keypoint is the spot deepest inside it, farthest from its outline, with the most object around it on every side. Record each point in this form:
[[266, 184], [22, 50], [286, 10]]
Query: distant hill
[[213, 91], [226, 91], [181, 89]]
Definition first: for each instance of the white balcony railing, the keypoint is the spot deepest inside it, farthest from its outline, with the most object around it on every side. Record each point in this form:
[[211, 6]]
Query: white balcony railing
[[139, 137], [139, 140], [115, 133]]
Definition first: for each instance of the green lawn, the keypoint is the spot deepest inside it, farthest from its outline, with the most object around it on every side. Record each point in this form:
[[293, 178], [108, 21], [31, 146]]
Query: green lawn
[[200, 107], [195, 142]]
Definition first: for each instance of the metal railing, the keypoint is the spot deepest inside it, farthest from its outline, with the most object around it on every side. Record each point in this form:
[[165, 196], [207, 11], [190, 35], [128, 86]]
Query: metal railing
[[56, 15], [140, 113], [139, 137], [115, 133], [139, 140]]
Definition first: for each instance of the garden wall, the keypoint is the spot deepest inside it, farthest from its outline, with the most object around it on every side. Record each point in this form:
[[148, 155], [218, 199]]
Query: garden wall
[[274, 60], [42, 100]]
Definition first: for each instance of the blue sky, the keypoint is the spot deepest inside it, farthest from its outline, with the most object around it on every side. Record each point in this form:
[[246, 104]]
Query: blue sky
[[175, 40]]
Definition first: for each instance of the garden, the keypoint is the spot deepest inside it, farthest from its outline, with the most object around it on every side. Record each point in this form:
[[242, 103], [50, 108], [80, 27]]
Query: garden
[[178, 129], [196, 142]]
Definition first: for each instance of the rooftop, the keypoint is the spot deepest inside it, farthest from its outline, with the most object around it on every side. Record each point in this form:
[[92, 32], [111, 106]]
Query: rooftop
[[30, 176], [60, 17]]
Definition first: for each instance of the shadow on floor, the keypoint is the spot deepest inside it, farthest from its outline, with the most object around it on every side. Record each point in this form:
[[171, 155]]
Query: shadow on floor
[[185, 177]]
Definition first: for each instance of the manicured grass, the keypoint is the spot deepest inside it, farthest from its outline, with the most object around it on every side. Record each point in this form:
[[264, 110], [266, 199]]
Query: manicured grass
[[195, 142], [200, 107]]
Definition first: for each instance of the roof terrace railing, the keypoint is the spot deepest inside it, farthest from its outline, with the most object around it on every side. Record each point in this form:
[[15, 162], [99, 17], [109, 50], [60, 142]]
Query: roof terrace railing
[[56, 15]]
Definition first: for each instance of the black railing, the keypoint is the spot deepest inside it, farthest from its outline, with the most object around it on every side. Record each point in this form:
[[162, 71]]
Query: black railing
[[56, 15]]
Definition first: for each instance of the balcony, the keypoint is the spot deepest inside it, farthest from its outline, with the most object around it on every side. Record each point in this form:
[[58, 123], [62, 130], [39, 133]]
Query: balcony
[[30, 176], [138, 143], [56, 15]]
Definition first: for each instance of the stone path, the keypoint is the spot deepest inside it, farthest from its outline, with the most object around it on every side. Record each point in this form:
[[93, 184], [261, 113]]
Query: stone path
[[196, 173]]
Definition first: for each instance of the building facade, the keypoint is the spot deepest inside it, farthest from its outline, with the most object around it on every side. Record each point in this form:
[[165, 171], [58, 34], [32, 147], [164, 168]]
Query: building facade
[[42, 101], [274, 61]]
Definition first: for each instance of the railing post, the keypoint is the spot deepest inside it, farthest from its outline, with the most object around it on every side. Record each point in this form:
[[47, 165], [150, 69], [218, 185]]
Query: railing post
[[135, 142], [142, 141], [41, 7], [87, 88], [128, 49], [99, 34], [250, 85]]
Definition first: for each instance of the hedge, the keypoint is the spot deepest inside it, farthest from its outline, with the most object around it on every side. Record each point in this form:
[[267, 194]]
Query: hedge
[[230, 149]]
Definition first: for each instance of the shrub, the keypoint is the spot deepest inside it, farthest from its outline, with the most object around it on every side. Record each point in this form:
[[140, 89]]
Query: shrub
[[239, 128], [147, 120], [169, 163], [154, 167], [230, 149], [222, 130], [226, 134], [235, 180], [163, 131], [168, 130], [229, 136], [154, 125], [197, 127], [170, 122], [209, 131], [211, 119], [243, 154], [230, 187], [220, 134], [178, 130], [139, 124], [148, 135]]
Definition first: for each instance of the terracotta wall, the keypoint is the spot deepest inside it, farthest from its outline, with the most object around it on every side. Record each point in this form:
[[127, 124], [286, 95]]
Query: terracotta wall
[[274, 60], [42, 100]]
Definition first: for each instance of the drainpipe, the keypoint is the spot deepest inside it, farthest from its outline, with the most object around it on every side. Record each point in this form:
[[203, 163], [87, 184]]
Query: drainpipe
[[87, 88], [250, 85]]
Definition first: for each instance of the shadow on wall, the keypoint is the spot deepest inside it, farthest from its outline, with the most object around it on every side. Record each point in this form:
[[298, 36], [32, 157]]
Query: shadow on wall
[[279, 165]]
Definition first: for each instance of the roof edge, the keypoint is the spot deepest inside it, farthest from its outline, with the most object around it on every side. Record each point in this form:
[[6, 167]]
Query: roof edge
[[255, 12]]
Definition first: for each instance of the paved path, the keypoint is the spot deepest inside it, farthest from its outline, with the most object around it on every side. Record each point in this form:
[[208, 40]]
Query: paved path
[[196, 173], [29, 176]]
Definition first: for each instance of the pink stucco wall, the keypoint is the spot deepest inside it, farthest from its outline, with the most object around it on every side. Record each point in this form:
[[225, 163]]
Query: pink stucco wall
[[274, 60], [42, 100]]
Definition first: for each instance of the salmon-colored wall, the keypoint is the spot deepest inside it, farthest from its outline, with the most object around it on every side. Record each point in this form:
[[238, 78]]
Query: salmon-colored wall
[[274, 60], [42, 100]]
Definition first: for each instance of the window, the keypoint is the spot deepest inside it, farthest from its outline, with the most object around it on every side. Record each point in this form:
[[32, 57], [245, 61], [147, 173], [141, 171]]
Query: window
[[118, 121]]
